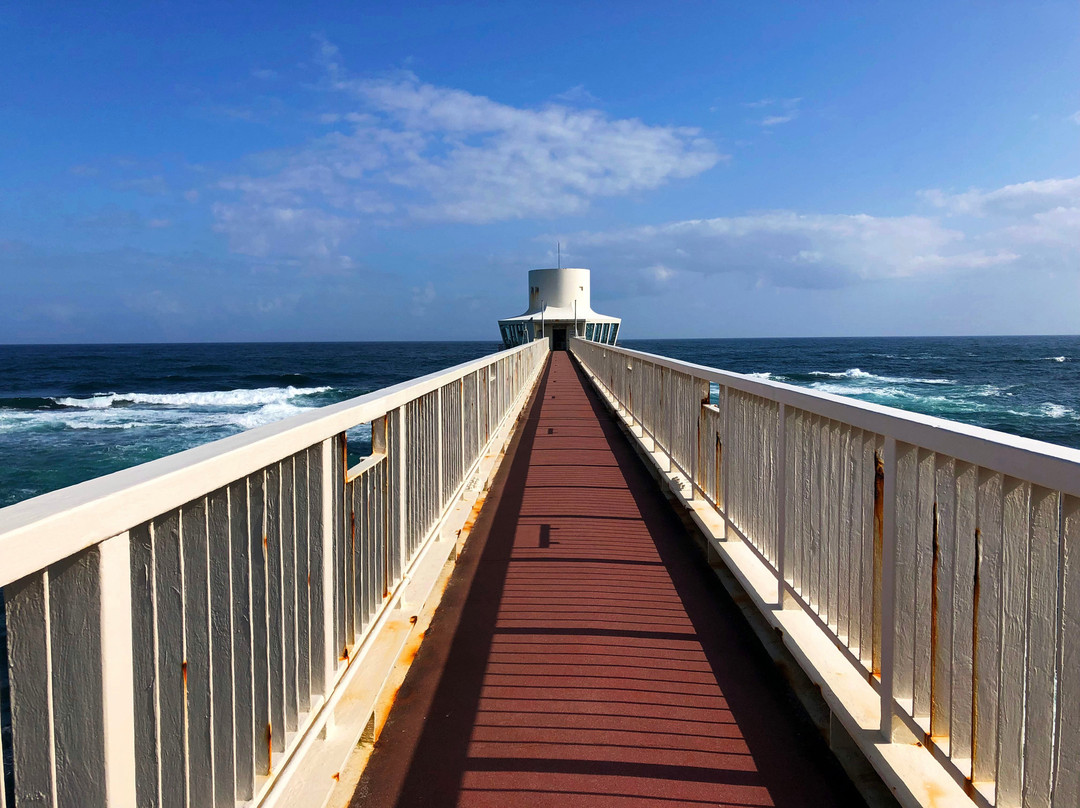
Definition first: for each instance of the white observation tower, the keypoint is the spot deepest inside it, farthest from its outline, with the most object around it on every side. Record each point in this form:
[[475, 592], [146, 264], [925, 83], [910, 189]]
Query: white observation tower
[[559, 308]]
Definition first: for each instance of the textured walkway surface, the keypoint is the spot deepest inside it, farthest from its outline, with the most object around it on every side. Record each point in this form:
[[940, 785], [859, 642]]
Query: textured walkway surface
[[583, 654]]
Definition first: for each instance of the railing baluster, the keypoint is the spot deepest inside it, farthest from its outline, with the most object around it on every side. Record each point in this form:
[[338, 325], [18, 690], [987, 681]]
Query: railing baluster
[[30, 665], [169, 633], [243, 721], [1041, 649], [221, 649], [260, 659], [1067, 763], [200, 769], [888, 588], [275, 626], [321, 549]]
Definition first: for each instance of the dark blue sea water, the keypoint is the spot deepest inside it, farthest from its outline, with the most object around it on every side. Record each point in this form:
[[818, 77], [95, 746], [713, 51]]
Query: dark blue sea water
[[71, 413], [1028, 386]]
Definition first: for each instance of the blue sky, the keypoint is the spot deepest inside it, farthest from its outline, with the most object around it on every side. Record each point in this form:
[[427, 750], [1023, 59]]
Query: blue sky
[[186, 172]]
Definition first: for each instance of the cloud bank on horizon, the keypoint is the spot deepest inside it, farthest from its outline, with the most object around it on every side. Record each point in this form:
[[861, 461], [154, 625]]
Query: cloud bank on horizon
[[382, 203]]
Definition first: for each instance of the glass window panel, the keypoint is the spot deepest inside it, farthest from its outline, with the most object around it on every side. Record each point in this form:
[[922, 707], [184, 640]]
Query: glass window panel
[[588, 330], [614, 332]]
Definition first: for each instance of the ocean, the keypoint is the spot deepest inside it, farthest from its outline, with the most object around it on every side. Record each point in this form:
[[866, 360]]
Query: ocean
[[69, 413]]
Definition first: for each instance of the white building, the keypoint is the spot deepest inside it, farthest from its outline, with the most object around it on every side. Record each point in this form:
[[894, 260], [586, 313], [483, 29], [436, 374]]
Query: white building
[[559, 308]]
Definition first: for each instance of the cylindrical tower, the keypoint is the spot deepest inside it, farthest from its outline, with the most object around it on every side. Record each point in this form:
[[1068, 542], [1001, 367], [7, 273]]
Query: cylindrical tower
[[559, 288], [560, 307]]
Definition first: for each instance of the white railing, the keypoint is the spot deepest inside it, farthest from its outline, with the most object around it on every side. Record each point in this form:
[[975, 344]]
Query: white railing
[[942, 559], [174, 629]]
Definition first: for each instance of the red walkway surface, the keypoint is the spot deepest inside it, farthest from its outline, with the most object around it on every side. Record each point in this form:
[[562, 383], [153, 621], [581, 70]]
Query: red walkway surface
[[584, 655]]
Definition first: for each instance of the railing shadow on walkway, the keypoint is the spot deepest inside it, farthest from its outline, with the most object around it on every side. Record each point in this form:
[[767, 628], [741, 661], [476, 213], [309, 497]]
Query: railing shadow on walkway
[[614, 669]]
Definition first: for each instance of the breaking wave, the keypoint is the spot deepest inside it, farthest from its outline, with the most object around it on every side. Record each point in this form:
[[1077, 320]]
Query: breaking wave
[[227, 410], [218, 398], [856, 373]]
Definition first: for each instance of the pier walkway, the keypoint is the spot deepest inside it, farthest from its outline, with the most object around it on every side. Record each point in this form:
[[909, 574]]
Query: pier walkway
[[583, 654]]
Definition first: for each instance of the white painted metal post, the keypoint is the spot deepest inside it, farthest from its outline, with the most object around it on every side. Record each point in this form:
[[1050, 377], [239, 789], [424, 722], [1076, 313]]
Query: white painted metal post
[[725, 462], [330, 651], [781, 506], [400, 496], [888, 588], [695, 433], [440, 450], [461, 428], [30, 667], [117, 666]]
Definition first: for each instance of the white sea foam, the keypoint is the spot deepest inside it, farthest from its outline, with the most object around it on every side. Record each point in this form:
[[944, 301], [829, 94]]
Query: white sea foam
[[763, 375], [856, 373], [838, 389], [215, 398], [1051, 410], [851, 373], [1057, 358], [223, 412]]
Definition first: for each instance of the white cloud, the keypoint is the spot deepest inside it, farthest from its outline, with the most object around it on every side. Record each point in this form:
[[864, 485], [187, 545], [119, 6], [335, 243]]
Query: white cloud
[[577, 95], [1029, 227], [788, 249], [477, 160], [1039, 219], [784, 110], [412, 150], [272, 231], [1020, 199], [774, 120], [1075, 117]]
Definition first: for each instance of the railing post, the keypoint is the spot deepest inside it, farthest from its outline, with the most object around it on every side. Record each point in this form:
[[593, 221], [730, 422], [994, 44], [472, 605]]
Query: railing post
[[440, 450], [725, 461], [461, 431], [888, 588], [117, 669], [672, 411], [330, 651], [399, 497], [694, 431], [781, 507]]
